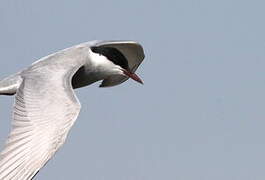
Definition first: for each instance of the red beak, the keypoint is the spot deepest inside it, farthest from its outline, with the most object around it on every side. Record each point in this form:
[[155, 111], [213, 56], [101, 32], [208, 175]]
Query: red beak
[[133, 76]]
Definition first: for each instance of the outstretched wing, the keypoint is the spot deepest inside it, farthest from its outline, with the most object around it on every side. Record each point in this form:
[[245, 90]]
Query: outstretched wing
[[131, 50], [44, 111]]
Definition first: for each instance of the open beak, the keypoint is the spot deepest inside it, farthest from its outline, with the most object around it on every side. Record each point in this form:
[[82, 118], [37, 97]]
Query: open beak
[[133, 76]]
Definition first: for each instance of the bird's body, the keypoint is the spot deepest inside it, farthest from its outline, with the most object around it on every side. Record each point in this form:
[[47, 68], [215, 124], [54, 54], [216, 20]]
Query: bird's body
[[46, 106]]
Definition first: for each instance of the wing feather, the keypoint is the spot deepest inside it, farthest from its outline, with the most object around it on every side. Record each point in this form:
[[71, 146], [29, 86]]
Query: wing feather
[[44, 111]]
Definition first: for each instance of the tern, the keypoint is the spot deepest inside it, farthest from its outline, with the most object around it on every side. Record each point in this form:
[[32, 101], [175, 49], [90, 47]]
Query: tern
[[46, 106]]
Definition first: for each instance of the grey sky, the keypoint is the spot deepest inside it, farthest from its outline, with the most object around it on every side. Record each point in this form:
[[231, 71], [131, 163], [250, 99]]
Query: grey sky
[[200, 114]]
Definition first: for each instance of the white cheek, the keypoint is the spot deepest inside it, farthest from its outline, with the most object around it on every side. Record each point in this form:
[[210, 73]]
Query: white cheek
[[103, 65], [98, 59]]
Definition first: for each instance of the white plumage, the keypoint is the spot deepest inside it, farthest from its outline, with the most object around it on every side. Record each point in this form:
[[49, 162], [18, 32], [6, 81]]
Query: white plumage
[[45, 104]]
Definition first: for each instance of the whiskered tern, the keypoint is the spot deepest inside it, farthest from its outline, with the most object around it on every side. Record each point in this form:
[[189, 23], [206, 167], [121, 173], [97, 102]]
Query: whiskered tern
[[46, 106]]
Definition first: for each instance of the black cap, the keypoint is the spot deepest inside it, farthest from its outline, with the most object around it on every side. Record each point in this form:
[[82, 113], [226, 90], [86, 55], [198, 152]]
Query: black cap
[[113, 55]]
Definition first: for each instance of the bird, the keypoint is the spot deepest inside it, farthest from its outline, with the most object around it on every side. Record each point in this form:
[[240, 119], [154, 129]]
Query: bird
[[46, 106]]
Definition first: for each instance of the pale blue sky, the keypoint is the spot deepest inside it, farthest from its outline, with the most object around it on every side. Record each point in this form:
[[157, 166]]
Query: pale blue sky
[[200, 114]]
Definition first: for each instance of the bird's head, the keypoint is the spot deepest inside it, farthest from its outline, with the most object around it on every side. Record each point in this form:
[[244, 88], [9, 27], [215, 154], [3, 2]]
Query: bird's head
[[110, 62]]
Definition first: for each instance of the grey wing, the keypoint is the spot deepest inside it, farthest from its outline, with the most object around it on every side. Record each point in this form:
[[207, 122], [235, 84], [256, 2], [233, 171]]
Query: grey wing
[[133, 52], [44, 111]]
